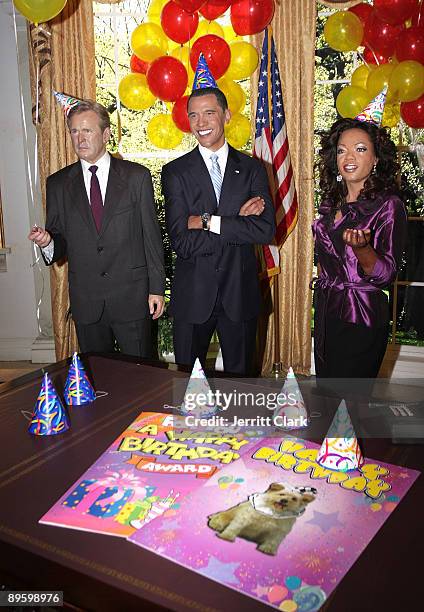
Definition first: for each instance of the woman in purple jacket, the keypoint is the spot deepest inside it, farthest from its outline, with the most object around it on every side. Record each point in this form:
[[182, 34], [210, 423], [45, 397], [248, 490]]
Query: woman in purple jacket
[[359, 240]]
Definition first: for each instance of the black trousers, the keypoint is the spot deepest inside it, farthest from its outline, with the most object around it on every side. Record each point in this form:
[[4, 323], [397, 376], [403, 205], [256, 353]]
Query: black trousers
[[237, 340], [132, 337], [351, 350]]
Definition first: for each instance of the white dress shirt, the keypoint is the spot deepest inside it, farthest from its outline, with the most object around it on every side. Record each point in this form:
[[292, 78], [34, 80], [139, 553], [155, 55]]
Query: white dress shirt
[[222, 153]]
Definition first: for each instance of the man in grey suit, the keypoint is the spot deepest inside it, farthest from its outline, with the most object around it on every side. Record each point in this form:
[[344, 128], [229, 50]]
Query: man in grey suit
[[101, 216]]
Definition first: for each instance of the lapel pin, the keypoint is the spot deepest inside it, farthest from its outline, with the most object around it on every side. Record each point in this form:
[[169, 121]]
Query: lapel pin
[[237, 171]]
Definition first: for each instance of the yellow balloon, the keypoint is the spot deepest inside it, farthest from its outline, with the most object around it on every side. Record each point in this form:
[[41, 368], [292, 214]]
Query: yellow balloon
[[360, 76], [234, 93], [208, 27], [230, 35], [182, 54], [391, 115], [155, 9], [343, 31], [237, 131], [407, 80], [134, 93], [244, 60], [148, 41], [38, 11], [378, 79], [163, 133], [351, 101]]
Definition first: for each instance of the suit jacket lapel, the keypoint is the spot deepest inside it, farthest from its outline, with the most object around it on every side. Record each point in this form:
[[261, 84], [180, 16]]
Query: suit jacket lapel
[[201, 175], [114, 191], [232, 173], [78, 194]]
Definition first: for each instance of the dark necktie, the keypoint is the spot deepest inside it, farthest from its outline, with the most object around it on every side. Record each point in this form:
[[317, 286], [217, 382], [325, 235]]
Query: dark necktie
[[96, 198]]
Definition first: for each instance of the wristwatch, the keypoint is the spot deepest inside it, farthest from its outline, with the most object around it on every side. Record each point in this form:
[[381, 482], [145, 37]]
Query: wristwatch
[[205, 220]]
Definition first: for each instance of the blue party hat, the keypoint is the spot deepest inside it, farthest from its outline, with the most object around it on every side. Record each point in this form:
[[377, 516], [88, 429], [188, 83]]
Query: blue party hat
[[203, 77], [78, 389], [49, 417]]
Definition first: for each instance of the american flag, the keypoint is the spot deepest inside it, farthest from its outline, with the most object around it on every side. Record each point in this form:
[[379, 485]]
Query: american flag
[[272, 147]]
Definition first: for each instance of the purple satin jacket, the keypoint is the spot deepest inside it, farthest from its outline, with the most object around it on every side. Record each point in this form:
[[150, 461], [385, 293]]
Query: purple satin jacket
[[344, 290]]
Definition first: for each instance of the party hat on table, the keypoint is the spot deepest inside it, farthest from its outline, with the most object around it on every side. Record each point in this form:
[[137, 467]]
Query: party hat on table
[[49, 417], [340, 450], [198, 399], [373, 113], [203, 77], [66, 101], [78, 389], [290, 412]]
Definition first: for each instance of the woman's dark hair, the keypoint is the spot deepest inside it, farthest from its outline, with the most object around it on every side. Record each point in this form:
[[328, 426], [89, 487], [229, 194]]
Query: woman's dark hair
[[386, 170]]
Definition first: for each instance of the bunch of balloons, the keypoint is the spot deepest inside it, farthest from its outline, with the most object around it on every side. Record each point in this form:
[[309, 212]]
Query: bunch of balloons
[[166, 50], [392, 35]]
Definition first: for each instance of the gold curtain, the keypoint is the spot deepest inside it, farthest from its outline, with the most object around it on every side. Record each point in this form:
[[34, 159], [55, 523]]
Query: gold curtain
[[293, 28], [61, 58]]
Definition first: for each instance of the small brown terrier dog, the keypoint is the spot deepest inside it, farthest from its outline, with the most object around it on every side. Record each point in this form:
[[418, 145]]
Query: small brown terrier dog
[[266, 518]]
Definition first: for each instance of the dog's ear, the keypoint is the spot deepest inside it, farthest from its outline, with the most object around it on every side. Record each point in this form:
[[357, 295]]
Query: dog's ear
[[308, 497], [276, 486]]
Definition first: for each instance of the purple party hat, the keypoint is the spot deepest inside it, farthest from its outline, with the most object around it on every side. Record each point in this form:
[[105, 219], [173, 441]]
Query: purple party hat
[[78, 388], [66, 101], [49, 417], [373, 113], [203, 77]]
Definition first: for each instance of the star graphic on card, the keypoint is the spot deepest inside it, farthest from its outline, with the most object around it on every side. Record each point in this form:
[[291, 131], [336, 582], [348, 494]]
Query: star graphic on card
[[325, 521], [221, 572]]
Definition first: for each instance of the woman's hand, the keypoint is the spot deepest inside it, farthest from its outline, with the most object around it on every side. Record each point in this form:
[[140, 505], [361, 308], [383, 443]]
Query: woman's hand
[[357, 239]]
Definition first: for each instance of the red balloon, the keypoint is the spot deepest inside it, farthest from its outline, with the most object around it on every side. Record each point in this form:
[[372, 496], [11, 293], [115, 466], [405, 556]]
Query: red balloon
[[138, 65], [214, 8], [417, 17], [191, 6], [413, 112], [216, 51], [381, 37], [410, 45], [251, 16], [167, 78], [394, 11], [362, 11], [179, 114], [178, 24], [374, 58]]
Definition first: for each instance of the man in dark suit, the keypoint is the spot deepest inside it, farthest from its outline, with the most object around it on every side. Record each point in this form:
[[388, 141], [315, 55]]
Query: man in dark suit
[[215, 216], [101, 215]]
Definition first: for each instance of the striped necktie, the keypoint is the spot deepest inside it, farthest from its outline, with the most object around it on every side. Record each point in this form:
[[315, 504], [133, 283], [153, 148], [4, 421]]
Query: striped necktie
[[216, 175]]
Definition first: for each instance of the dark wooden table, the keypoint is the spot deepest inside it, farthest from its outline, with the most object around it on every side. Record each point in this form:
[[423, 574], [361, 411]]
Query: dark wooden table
[[98, 572]]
